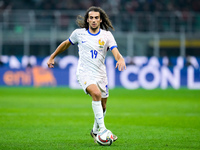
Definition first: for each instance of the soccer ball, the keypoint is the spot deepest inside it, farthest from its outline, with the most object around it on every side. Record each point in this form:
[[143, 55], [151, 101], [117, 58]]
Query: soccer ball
[[105, 138]]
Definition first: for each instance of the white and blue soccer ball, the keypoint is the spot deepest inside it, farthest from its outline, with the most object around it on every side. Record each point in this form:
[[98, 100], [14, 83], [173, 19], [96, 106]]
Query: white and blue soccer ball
[[105, 138]]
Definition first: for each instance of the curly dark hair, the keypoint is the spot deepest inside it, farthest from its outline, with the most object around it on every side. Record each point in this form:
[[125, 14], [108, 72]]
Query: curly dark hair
[[105, 24]]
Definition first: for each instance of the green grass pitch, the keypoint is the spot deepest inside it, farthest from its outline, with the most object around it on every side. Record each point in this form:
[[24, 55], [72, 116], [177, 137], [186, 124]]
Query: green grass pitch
[[62, 118]]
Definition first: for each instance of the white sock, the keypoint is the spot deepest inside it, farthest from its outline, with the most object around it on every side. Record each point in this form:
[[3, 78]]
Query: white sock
[[95, 126], [98, 113]]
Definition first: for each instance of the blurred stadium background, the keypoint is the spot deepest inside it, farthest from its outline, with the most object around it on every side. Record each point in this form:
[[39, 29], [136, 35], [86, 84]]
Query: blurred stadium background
[[167, 29], [160, 41]]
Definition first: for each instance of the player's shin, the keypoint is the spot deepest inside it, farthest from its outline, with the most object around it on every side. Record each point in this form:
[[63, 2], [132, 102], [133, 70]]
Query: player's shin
[[98, 113], [95, 127], [104, 112]]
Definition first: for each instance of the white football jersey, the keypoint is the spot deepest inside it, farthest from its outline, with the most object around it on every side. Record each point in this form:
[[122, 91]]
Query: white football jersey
[[92, 50]]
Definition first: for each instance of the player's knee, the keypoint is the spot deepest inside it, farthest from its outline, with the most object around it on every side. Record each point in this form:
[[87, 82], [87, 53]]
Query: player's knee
[[96, 95]]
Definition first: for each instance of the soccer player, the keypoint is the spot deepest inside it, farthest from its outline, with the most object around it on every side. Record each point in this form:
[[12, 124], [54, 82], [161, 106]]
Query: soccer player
[[94, 40]]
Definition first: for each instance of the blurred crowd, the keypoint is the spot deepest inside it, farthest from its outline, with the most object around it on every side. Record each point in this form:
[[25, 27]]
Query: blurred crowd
[[110, 6]]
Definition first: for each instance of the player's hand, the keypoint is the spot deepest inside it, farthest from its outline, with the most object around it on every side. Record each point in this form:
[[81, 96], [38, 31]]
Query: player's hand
[[50, 63], [121, 65]]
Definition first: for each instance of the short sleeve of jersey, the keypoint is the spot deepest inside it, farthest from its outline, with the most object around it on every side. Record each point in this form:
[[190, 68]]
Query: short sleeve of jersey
[[73, 37], [112, 43]]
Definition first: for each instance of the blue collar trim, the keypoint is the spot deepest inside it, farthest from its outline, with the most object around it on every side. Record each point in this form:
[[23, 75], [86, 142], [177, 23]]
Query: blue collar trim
[[93, 34]]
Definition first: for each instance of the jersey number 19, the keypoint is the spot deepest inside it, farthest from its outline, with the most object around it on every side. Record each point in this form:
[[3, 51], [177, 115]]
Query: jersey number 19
[[94, 53]]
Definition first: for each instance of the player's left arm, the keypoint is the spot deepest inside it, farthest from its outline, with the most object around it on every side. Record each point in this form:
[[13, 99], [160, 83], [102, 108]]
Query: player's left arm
[[121, 65]]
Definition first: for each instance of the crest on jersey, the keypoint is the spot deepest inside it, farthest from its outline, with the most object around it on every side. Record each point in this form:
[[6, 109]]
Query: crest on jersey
[[101, 43]]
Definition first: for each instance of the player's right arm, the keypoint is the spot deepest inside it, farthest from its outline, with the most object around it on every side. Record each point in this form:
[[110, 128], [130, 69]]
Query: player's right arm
[[61, 48]]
